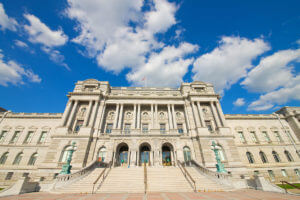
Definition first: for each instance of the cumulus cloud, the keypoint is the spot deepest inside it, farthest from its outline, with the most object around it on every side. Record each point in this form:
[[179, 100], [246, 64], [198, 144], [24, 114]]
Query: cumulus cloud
[[40, 33], [229, 62], [14, 73], [49, 39], [239, 102], [276, 78], [164, 68], [272, 71], [21, 44], [7, 22], [119, 34]]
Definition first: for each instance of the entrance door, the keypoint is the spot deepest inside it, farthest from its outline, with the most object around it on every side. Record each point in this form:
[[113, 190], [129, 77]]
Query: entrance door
[[187, 155], [145, 154], [166, 156], [123, 158]]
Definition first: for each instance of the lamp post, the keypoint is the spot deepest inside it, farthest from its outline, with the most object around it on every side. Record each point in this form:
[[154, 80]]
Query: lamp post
[[219, 165], [66, 168]]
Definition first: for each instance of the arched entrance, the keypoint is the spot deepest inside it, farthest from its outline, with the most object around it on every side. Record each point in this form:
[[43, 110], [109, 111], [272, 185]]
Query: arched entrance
[[167, 154], [145, 150], [122, 155], [102, 154], [187, 155]]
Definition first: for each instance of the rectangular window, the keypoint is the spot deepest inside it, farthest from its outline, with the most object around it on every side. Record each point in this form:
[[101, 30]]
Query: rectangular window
[[3, 135], [162, 128], [127, 128], [271, 175], [25, 174], [109, 128], [241, 136], [209, 126], [28, 137], [43, 137], [284, 174], [297, 173], [256, 172], [145, 128], [266, 136], [278, 138], [180, 128], [15, 137], [9, 175], [79, 124], [253, 137]]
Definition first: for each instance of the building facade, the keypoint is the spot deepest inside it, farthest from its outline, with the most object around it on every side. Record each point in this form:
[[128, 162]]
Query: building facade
[[158, 126]]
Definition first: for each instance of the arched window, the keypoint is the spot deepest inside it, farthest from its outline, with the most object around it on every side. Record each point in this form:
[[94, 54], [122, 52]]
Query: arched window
[[32, 159], [102, 154], [250, 157], [18, 159], [288, 156], [187, 154], [276, 156], [3, 158], [263, 157], [65, 154]]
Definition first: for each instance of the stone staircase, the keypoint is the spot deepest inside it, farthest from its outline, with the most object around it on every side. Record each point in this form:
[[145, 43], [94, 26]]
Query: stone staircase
[[205, 184], [167, 179], [84, 185], [124, 180]]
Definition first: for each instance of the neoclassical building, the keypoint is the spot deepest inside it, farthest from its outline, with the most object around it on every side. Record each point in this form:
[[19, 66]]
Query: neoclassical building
[[158, 126]]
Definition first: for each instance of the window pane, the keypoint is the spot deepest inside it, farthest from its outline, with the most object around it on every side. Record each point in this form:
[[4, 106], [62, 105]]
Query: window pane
[[241, 135], [145, 128], [2, 136], [180, 128], [162, 128], [28, 137], [43, 137], [109, 128]]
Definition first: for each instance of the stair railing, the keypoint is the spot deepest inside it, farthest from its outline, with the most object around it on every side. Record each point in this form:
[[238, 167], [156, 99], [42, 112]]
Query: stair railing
[[102, 176], [187, 174], [65, 179], [145, 178], [290, 184]]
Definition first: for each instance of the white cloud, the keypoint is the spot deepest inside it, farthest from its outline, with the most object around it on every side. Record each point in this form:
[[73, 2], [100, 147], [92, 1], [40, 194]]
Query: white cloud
[[229, 62], [239, 102], [14, 73], [40, 33], [7, 22], [278, 97], [272, 72], [120, 35], [164, 68], [21, 44]]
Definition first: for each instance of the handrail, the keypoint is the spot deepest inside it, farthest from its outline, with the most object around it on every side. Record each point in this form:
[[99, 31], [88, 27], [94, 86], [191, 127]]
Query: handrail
[[295, 186], [187, 173], [102, 174], [145, 178], [210, 172]]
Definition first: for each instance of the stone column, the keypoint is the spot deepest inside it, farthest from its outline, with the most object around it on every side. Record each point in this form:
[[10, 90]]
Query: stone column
[[94, 113], [196, 115], [213, 108], [116, 116], [67, 112], [120, 117], [201, 114], [186, 117], [219, 109], [100, 119], [139, 116], [152, 115], [134, 116], [156, 117], [87, 115], [174, 117], [74, 108], [170, 117]]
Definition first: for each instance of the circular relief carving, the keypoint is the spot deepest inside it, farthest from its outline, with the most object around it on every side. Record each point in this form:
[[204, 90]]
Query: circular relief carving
[[178, 115], [205, 110], [111, 115], [82, 112], [145, 115]]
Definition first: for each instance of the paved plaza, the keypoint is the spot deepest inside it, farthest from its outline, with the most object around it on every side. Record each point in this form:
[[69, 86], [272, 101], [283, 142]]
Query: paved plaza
[[235, 195]]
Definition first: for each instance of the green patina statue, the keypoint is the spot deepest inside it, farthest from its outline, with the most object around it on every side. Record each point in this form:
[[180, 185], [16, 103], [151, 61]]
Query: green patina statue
[[219, 165], [66, 168]]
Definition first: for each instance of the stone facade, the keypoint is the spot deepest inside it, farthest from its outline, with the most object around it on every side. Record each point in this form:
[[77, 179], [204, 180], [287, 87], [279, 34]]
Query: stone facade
[[128, 125]]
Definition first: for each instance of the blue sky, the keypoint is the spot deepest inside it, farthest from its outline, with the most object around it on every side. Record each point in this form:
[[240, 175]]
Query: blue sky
[[248, 50]]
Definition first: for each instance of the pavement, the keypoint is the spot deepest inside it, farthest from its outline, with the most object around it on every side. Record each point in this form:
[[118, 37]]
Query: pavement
[[232, 195]]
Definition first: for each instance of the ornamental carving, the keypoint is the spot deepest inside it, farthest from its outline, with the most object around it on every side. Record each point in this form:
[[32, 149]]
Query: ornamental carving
[[111, 115], [145, 115], [179, 115], [162, 115], [82, 112], [128, 115]]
